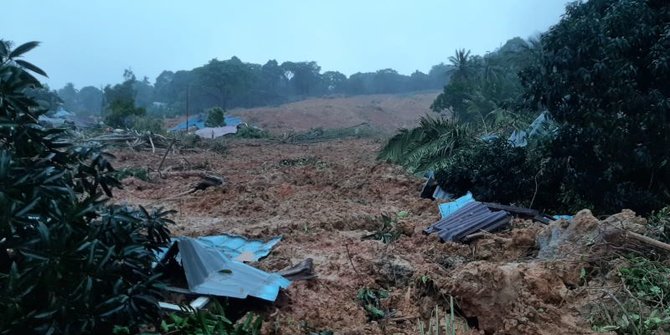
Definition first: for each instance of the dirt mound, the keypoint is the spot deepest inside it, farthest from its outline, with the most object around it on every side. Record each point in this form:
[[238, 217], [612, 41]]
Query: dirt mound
[[535, 295]]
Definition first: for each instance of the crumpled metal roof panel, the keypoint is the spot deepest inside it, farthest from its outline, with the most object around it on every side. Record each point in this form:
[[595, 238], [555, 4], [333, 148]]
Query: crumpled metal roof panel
[[209, 272], [240, 248]]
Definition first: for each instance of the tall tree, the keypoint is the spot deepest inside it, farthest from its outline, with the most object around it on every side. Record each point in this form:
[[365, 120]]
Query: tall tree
[[120, 98], [604, 78], [69, 94], [90, 100]]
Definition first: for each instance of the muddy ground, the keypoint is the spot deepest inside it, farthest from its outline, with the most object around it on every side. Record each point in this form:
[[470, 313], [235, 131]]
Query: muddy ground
[[382, 112], [323, 197]]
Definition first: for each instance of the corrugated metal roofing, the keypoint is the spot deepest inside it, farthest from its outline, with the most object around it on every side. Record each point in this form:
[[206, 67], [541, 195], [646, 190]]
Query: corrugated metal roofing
[[208, 271], [215, 132], [198, 121], [470, 218], [235, 247], [238, 247], [448, 208]]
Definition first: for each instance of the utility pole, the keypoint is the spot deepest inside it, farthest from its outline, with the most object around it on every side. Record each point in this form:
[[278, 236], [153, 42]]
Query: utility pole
[[188, 97]]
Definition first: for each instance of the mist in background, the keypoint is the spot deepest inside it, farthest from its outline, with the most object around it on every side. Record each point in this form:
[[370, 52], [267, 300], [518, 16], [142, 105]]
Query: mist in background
[[92, 42]]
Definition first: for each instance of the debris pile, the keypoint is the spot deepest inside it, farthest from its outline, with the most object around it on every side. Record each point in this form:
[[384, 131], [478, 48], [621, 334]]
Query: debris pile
[[471, 218], [134, 140], [464, 217]]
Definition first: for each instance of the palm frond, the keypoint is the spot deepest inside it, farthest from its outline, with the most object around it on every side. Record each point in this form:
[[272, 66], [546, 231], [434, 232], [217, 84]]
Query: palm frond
[[419, 148]]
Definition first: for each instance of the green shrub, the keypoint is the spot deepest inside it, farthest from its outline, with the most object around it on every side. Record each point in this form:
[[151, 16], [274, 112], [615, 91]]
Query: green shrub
[[659, 221], [70, 263], [210, 321], [215, 117], [147, 123], [388, 228], [643, 309], [246, 131], [139, 173], [371, 299]]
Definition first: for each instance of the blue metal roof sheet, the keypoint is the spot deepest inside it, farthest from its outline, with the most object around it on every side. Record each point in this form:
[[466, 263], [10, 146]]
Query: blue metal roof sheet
[[240, 248], [208, 271], [449, 208]]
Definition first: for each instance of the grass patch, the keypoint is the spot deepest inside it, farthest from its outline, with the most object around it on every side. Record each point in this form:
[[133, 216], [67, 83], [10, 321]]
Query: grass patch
[[642, 306], [371, 300], [388, 228], [303, 161], [433, 327], [139, 173]]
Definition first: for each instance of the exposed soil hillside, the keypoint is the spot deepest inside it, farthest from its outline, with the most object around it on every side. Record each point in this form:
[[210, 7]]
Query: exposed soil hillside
[[385, 112]]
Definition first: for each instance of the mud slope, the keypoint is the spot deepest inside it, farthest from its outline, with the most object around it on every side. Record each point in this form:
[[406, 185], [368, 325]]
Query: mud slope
[[386, 112], [322, 198]]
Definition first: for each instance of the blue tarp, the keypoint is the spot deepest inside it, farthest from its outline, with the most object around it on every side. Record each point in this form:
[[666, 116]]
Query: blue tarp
[[198, 121], [449, 208]]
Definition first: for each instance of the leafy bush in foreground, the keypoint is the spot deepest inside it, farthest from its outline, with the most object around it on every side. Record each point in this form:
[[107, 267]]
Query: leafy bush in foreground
[[69, 262]]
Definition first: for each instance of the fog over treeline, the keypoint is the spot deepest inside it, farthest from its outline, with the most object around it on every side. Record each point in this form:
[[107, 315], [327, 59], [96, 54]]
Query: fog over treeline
[[234, 83]]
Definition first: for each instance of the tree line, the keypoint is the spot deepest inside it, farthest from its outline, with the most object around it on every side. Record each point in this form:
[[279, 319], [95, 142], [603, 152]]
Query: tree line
[[233, 83]]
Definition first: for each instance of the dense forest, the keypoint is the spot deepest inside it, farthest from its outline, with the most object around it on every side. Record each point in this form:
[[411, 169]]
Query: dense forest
[[233, 83]]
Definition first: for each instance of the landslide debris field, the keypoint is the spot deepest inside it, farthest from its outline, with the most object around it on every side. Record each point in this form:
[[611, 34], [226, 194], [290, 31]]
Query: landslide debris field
[[383, 112], [324, 197]]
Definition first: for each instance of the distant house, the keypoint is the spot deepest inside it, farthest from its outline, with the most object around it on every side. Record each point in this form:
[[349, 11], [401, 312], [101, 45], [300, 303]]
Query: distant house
[[198, 121], [60, 117]]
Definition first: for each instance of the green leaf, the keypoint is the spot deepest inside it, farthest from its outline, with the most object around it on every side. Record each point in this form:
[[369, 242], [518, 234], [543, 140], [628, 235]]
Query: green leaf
[[23, 48], [31, 67]]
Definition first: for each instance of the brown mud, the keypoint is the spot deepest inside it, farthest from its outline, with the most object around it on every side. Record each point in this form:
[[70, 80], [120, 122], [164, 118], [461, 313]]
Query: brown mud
[[323, 197]]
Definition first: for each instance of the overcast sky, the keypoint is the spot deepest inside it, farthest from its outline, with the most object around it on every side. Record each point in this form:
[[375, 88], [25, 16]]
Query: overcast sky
[[91, 42]]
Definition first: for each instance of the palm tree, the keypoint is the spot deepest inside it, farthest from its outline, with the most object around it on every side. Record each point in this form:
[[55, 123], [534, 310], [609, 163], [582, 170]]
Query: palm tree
[[461, 61], [427, 146]]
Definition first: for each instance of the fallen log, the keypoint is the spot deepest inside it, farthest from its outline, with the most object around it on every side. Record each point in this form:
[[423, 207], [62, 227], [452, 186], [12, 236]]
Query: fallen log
[[133, 139], [648, 240], [208, 179]]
